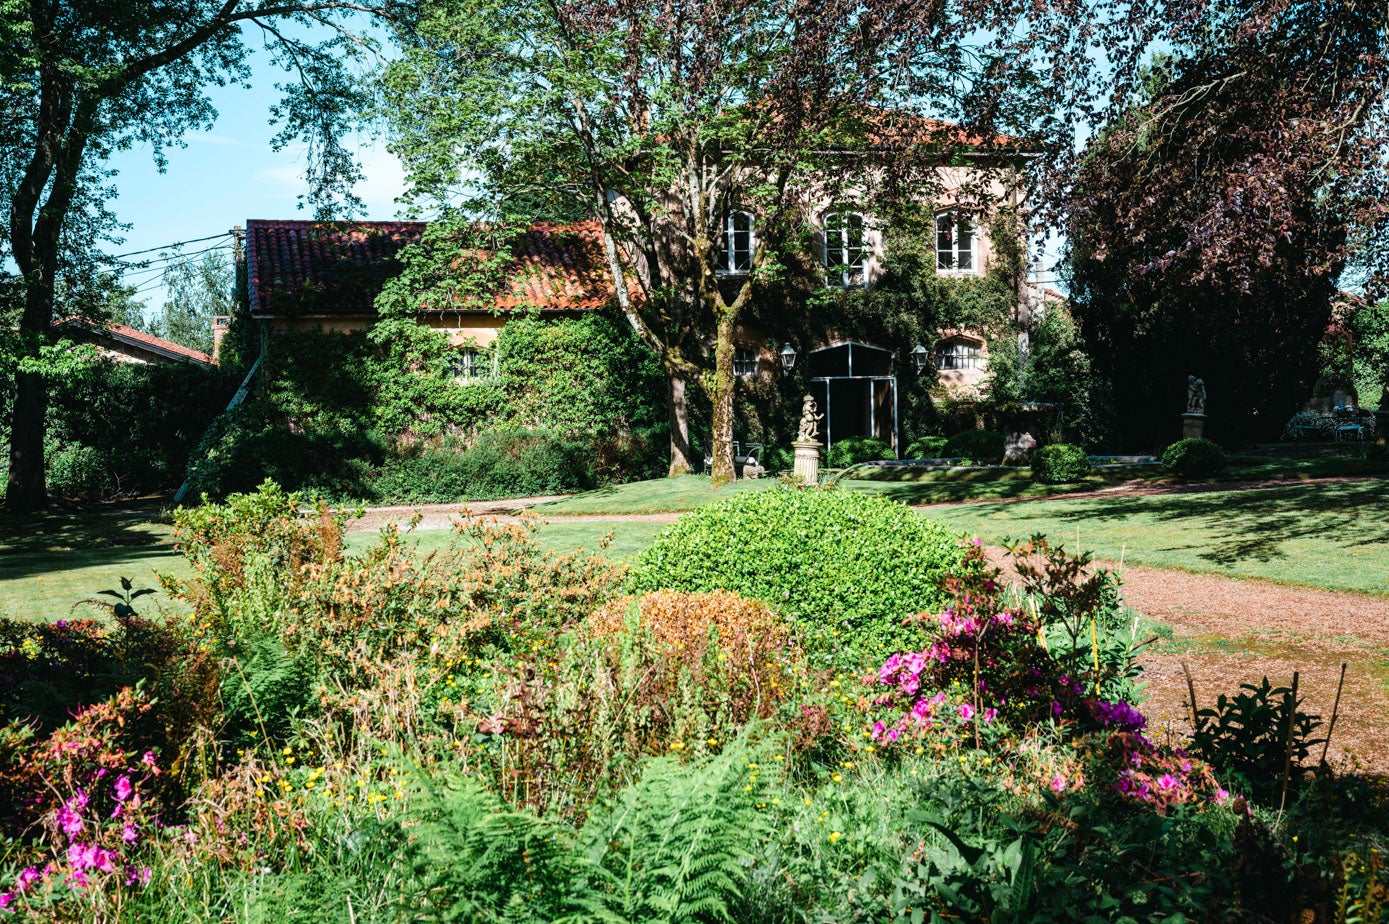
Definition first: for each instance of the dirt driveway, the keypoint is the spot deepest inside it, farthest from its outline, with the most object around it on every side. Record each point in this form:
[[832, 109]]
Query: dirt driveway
[[1231, 631]]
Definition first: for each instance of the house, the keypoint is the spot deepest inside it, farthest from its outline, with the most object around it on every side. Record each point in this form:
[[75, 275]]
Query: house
[[125, 344], [307, 275], [304, 275]]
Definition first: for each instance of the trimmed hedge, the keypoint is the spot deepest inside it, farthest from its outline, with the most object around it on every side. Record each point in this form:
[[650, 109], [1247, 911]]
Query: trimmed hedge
[[927, 447], [1059, 463], [854, 450], [1194, 459], [846, 567], [984, 447]]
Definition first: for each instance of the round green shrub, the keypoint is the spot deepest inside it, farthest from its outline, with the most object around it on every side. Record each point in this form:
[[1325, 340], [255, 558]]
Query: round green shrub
[[982, 446], [1059, 463], [855, 450], [80, 471], [845, 567], [1194, 459], [926, 447]]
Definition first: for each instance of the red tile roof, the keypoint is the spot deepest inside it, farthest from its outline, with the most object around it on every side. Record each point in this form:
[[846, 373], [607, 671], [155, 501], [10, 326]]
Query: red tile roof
[[338, 268], [122, 332]]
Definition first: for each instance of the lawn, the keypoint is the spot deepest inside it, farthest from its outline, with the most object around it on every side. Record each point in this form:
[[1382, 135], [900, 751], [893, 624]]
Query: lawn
[[1326, 535], [1334, 536], [662, 495], [49, 564]]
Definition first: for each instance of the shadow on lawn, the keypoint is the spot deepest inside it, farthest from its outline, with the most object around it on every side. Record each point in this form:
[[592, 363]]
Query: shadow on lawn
[[1255, 524]]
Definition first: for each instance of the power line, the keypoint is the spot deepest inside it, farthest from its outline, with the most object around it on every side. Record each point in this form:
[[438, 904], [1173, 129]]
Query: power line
[[160, 264], [196, 240]]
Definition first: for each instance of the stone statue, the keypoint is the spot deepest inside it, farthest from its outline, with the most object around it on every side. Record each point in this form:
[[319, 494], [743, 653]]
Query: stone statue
[[1195, 395], [810, 422]]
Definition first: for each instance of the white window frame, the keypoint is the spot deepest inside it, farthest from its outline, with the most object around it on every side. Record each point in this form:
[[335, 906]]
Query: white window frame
[[850, 270], [960, 355], [948, 258], [744, 362], [736, 260]]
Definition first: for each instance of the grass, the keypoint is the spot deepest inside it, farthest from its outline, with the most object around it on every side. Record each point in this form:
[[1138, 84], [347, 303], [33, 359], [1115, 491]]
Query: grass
[[662, 495], [1333, 536], [49, 564]]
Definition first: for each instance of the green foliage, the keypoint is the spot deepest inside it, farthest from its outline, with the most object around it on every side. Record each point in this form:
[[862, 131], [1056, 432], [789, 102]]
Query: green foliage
[[848, 567], [1251, 737], [676, 846], [1059, 463], [118, 429], [497, 464], [476, 859], [856, 449], [926, 447], [1055, 369], [584, 375], [1194, 458], [983, 447]]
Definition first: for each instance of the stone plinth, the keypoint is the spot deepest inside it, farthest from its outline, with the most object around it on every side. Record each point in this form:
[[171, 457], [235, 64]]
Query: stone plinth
[[1193, 426], [807, 469]]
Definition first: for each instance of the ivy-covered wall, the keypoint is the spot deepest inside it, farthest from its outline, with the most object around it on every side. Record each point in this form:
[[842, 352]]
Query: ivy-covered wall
[[345, 412]]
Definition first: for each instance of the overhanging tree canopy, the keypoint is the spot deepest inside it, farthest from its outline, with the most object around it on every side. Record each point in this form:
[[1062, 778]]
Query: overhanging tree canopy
[[660, 118], [81, 80]]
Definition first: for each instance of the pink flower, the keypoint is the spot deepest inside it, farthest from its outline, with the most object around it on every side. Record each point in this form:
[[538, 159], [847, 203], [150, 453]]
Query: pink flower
[[69, 821], [1221, 796], [27, 877], [892, 734], [878, 729], [910, 684], [1168, 781], [6, 899], [128, 834], [966, 712], [990, 714], [122, 788], [1058, 783]]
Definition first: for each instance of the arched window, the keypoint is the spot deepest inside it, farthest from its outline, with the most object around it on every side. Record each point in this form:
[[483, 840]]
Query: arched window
[[739, 241], [846, 253], [954, 243]]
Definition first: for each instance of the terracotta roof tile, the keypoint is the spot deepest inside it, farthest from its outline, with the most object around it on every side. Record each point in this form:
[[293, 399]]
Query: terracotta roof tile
[[337, 268], [124, 332]]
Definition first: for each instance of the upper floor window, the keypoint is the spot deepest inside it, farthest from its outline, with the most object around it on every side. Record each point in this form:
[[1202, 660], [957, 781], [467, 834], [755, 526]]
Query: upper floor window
[[846, 253], [744, 362], [961, 355], [735, 250], [954, 243]]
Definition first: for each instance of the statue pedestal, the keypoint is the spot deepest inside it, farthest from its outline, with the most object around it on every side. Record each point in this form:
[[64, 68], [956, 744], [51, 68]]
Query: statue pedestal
[[1193, 425], [1382, 431], [807, 468]]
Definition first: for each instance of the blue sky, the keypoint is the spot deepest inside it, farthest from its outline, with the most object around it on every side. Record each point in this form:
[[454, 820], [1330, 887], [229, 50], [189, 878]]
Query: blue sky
[[227, 175], [230, 174]]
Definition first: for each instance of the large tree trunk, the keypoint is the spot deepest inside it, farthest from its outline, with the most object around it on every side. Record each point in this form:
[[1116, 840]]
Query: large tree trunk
[[722, 394], [680, 462], [26, 490]]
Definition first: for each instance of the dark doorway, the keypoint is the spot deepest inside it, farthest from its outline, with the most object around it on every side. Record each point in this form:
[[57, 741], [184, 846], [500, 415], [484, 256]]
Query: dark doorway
[[854, 386]]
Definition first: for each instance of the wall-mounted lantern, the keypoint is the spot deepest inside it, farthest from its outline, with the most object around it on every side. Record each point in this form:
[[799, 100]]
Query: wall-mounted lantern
[[920, 356], [788, 357]]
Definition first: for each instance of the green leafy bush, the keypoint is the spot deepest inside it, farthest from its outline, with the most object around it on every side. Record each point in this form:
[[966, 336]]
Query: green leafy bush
[[1194, 458], [857, 449], [927, 447], [512, 464], [1059, 463], [984, 447], [848, 567], [1249, 737]]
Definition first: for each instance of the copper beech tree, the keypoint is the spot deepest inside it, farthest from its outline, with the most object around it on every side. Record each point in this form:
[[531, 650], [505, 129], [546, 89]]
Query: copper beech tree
[[1234, 191], [661, 119], [79, 80]]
